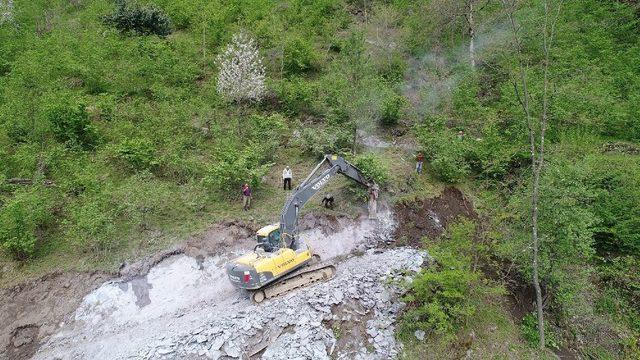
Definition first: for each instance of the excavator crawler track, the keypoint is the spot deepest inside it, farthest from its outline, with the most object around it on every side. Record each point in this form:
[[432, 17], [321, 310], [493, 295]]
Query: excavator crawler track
[[313, 273]]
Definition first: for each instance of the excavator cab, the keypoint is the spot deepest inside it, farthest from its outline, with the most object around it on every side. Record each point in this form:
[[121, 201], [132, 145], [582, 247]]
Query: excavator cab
[[269, 238]]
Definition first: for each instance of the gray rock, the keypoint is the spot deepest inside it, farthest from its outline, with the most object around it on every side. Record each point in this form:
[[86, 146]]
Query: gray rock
[[165, 351], [419, 334], [214, 354]]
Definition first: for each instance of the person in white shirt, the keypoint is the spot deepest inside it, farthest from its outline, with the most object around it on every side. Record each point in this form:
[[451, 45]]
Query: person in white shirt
[[286, 178]]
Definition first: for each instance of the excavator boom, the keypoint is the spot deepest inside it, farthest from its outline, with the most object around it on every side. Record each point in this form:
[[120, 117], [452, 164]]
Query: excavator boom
[[280, 262], [310, 186]]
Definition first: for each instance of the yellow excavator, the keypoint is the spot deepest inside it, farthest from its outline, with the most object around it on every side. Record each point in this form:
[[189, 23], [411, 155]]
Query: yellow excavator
[[281, 261]]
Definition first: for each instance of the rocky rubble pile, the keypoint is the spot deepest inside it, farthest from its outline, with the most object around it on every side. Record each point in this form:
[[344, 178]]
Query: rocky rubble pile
[[297, 325]]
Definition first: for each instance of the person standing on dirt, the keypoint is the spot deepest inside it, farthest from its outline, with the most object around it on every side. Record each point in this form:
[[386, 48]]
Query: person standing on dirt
[[286, 178], [373, 201], [419, 163], [246, 197]]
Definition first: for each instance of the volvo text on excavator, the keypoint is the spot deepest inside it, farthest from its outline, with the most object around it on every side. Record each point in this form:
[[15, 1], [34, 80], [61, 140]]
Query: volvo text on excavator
[[281, 261]]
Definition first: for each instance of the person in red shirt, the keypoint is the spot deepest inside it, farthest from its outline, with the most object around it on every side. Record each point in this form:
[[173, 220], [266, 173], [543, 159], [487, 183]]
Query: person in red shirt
[[246, 197], [419, 162]]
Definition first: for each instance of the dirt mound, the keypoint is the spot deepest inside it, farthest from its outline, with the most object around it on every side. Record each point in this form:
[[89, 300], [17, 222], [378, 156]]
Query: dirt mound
[[31, 311], [430, 217]]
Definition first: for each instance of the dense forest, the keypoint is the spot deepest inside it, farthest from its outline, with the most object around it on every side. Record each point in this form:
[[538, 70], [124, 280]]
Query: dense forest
[[118, 135]]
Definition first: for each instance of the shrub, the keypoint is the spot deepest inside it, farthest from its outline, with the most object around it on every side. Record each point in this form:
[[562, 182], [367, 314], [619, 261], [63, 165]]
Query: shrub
[[391, 109], [449, 167], [372, 167], [443, 296], [318, 141], [529, 328], [137, 154], [91, 223], [20, 220], [133, 18], [71, 124], [227, 176], [392, 69], [296, 95], [299, 56], [447, 153]]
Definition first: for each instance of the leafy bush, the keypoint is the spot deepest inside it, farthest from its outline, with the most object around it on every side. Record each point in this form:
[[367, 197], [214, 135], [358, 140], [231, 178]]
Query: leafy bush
[[445, 294], [623, 274], [71, 124], [392, 69], [392, 109], [91, 223], [136, 154], [450, 156], [132, 18], [296, 95], [299, 56], [529, 328], [372, 167], [318, 141], [227, 176], [21, 218]]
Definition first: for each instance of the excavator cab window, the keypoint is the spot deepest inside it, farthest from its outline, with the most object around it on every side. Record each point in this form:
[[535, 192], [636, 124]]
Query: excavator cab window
[[271, 242]]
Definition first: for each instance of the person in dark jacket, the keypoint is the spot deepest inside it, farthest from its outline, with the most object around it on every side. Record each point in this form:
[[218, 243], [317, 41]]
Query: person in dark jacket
[[246, 197], [327, 201]]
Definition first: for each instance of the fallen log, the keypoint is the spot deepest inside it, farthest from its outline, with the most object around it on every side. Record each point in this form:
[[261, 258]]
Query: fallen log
[[25, 181]]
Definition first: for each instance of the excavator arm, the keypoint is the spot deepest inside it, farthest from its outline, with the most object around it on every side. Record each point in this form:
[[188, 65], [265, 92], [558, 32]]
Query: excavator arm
[[310, 186]]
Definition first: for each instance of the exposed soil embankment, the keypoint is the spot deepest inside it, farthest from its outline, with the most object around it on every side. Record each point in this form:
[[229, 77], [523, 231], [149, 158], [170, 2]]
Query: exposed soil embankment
[[33, 310], [430, 217]]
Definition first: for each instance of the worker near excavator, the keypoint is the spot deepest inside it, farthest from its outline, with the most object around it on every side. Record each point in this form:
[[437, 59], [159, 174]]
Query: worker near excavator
[[419, 162], [286, 178], [327, 201], [373, 201], [246, 197]]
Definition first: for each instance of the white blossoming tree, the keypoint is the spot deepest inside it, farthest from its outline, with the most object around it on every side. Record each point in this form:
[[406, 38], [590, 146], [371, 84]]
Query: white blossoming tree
[[6, 11], [241, 76]]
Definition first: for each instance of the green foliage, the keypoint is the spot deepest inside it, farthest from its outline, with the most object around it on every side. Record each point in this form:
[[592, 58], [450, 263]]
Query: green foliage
[[132, 18], [70, 123], [299, 56], [622, 279], [392, 110], [373, 167], [296, 95], [393, 68], [447, 153], [618, 203], [22, 220], [318, 141], [227, 176], [246, 162], [444, 295], [529, 328], [136, 154]]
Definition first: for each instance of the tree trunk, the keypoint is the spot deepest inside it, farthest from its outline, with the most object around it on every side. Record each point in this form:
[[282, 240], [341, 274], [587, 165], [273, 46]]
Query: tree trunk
[[472, 34]]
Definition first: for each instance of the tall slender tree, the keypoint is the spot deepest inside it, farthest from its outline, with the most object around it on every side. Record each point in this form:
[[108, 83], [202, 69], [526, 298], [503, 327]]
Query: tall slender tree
[[536, 125]]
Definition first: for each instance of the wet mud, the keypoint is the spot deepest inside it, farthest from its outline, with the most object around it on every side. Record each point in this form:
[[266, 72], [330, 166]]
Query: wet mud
[[430, 217]]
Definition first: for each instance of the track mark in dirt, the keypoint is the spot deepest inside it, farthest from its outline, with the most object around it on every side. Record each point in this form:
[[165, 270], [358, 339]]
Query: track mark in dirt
[[430, 217]]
